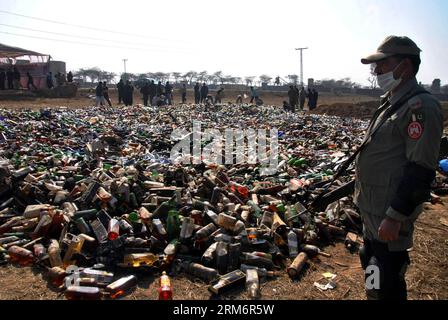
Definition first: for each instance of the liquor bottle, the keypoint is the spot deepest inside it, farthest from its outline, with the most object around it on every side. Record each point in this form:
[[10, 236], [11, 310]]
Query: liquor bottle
[[252, 283], [21, 256], [292, 244], [205, 232], [222, 257], [165, 289], [82, 293], [209, 254], [200, 271], [121, 286], [187, 228], [113, 230], [54, 253], [228, 281], [297, 265]]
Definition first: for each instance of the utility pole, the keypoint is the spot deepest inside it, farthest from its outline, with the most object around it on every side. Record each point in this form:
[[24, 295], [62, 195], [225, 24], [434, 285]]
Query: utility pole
[[124, 62], [301, 64]]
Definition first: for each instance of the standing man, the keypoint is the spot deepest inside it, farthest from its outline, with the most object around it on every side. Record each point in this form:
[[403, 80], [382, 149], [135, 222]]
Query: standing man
[[128, 94], [204, 92], [30, 82], [120, 89], [183, 91], [69, 77], [292, 94], [159, 90], [315, 97], [152, 91], [219, 96], [9, 78], [197, 93], [310, 96], [145, 92], [106, 93], [168, 93], [2, 79], [99, 95], [16, 78], [395, 169], [50, 83], [302, 97], [253, 94]]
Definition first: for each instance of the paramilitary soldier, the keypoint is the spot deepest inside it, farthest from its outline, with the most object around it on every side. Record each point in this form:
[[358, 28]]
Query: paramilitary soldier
[[395, 169]]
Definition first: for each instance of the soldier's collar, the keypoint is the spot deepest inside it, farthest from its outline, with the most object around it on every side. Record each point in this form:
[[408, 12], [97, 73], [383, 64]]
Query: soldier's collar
[[405, 89]]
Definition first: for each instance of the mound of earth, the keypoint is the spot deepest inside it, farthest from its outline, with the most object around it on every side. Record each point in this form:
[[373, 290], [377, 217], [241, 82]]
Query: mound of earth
[[357, 110]]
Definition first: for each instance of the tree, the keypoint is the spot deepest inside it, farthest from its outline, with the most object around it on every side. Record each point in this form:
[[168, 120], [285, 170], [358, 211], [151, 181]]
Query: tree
[[131, 76], [92, 73], [230, 79], [435, 86], [202, 76], [107, 76], [160, 76], [176, 76], [189, 76], [212, 79], [373, 81], [219, 76], [249, 80], [265, 78], [81, 73]]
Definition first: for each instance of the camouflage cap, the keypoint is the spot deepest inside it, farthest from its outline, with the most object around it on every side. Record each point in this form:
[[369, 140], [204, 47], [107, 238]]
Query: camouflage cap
[[391, 46]]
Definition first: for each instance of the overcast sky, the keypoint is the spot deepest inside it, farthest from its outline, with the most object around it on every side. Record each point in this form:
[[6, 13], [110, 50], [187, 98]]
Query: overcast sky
[[239, 37]]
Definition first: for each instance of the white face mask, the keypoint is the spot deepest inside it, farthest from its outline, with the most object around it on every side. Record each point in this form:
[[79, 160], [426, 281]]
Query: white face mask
[[387, 82]]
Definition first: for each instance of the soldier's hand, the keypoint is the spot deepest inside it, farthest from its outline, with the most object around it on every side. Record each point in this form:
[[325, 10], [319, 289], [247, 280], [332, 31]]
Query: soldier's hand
[[389, 229]]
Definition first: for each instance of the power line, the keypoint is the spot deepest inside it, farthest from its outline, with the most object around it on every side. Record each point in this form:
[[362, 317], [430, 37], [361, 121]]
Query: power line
[[79, 42], [80, 26], [75, 36]]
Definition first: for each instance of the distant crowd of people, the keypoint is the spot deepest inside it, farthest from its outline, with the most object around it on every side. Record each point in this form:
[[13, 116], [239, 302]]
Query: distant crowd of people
[[160, 95], [297, 98], [10, 79]]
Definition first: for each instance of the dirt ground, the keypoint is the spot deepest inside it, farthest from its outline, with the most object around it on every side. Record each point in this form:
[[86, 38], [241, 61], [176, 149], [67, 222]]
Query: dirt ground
[[82, 100], [427, 278]]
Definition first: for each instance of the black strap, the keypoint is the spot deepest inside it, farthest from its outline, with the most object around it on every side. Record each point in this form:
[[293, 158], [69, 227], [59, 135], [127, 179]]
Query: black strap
[[392, 109]]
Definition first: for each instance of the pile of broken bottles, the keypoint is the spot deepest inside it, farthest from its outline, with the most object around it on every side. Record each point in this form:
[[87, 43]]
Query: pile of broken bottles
[[92, 193]]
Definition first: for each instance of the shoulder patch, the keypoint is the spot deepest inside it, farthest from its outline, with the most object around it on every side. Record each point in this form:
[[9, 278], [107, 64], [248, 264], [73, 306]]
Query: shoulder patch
[[415, 103], [415, 130]]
